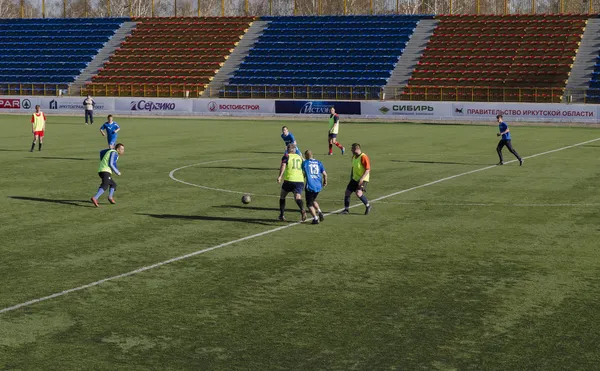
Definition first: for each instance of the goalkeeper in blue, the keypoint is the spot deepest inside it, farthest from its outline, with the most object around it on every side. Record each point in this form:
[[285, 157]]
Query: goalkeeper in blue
[[108, 167], [316, 179], [288, 138], [112, 129]]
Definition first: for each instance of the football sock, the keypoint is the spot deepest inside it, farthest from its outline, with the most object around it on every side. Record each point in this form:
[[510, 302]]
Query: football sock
[[300, 204], [111, 192], [346, 202], [100, 192], [32, 146], [281, 206], [330, 148], [319, 211], [364, 200], [339, 145], [40, 146]]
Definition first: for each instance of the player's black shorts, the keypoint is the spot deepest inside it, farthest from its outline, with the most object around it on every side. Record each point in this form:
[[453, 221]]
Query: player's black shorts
[[353, 186], [332, 136], [107, 181], [295, 187], [310, 197]]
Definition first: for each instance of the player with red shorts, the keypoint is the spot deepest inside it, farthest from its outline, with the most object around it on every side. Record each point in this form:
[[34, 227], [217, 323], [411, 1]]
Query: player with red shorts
[[38, 127]]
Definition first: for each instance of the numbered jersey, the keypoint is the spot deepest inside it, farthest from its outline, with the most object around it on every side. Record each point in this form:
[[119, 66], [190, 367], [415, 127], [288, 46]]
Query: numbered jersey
[[313, 172], [293, 169]]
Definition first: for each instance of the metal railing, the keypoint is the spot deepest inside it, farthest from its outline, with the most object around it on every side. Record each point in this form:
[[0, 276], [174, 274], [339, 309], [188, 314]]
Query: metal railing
[[34, 89], [481, 94], [143, 90], [298, 92], [409, 93]]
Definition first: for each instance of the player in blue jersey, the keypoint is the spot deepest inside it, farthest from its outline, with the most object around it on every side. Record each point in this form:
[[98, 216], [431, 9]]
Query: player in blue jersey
[[505, 141], [289, 138], [111, 128], [316, 179]]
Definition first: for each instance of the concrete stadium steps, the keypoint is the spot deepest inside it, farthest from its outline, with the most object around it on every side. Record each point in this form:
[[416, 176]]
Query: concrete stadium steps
[[581, 73], [102, 57], [235, 59], [409, 59]]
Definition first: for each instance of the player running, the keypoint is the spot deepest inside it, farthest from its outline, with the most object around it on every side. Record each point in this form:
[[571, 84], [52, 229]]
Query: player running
[[108, 165], [505, 141], [334, 128], [111, 128], [316, 179], [288, 138], [293, 180], [38, 127], [361, 170]]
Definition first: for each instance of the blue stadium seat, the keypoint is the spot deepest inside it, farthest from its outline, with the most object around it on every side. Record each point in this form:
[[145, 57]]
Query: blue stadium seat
[[316, 51], [50, 51]]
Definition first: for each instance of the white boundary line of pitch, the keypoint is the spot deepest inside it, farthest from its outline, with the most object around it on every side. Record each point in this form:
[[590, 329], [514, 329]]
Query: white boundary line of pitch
[[187, 256]]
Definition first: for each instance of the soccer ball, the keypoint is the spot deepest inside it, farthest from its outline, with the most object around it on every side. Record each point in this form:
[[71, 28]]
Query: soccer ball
[[246, 199]]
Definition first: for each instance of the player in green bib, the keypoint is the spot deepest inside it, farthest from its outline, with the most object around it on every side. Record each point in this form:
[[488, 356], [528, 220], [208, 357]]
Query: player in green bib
[[108, 166], [361, 174], [293, 180], [334, 129]]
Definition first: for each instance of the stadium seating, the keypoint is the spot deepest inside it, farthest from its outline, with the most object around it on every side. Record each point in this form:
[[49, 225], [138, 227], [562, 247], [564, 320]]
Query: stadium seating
[[478, 52], [593, 94], [169, 56], [304, 53], [40, 56]]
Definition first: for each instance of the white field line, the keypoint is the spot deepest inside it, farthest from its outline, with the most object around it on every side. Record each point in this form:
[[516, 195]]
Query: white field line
[[172, 176], [187, 256], [424, 203]]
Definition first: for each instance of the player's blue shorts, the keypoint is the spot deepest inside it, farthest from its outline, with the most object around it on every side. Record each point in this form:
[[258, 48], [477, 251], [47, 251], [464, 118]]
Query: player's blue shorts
[[112, 141]]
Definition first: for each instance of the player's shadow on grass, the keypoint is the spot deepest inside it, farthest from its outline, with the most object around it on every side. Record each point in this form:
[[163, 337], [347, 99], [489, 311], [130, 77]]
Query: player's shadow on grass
[[240, 168], [258, 208], [440, 162], [80, 203], [12, 150], [64, 158], [261, 221]]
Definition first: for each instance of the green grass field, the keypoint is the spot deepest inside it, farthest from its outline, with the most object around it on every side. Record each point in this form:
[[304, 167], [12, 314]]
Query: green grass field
[[494, 270]]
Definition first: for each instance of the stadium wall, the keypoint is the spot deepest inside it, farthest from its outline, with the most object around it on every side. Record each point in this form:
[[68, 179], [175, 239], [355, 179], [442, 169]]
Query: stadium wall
[[400, 110]]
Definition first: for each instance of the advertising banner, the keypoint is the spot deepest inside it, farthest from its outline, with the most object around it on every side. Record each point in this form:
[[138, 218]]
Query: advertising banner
[[316, 107], [158, 106], [527, 111], [239, 106], [405, 109], [75, 104], [18, 103]]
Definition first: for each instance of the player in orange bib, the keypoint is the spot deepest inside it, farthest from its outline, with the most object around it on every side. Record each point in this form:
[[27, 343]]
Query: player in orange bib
[[38, 127]]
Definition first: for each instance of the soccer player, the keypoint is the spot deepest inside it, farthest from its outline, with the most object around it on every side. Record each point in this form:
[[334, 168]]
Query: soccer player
[[111, 128], [316, 179], [334, 128], [288, 138], [361, 170], [108, 165], [38, 127], [505, 141], [293, 180], [88, 105]]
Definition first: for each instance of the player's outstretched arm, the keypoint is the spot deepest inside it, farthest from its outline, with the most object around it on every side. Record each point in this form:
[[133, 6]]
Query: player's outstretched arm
[[324, 178]]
